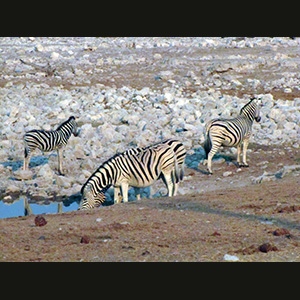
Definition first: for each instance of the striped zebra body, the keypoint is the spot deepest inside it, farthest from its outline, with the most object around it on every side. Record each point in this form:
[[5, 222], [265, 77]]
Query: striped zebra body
[[230, 133], [180, 154], [49, 140], [136, 167]]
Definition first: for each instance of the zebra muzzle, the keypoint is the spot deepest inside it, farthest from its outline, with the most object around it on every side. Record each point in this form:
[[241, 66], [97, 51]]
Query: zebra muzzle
[[77, 132]]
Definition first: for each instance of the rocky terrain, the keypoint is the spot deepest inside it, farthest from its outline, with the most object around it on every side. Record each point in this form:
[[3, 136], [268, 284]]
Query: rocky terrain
[[127, 92]]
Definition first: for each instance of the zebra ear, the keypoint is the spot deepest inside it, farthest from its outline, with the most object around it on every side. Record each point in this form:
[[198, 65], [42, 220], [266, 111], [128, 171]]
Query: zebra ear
[[85, 190]]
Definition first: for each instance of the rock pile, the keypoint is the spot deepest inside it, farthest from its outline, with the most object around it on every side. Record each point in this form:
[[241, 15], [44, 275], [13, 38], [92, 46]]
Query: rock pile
[[114, 118]]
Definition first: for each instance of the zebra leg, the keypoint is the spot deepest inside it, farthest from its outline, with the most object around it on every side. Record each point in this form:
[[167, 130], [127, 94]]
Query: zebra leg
[[27, 156], [117, 194], [175, 182], [175, 189], [169, 183], [60, 156], [124, 188], [245, 146], [239, 148], [210, 156], [150, 192], [26, 163]]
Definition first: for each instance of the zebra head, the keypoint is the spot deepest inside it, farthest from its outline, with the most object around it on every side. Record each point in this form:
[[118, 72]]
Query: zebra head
[[75, 129], [251, 110], [257, 116], [89, 199]]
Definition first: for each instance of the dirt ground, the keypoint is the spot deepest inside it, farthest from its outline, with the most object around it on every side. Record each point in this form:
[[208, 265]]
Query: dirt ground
[[222, 215]]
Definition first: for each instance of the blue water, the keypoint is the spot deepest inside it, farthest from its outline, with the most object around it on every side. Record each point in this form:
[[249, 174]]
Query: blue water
[[34, 161], [17, 208]]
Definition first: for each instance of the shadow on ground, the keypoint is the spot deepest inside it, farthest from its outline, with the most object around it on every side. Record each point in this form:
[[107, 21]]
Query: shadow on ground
[[195, 160]]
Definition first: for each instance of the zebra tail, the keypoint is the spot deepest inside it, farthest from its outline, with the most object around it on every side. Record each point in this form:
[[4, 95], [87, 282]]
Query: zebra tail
[[25, 148], [177, 171], [207, 145], [181, 172]]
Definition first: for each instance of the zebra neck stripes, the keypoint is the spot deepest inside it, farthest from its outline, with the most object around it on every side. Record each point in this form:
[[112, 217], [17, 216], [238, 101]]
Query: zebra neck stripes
[[251, 111], [67, 128]]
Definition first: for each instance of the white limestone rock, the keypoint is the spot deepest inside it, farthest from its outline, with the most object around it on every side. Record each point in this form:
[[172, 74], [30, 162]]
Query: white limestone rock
[[23, 174], [45, 172], [12, 189], [54, 55]]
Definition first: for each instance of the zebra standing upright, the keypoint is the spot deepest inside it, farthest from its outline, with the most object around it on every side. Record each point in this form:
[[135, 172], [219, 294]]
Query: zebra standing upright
[[49, 140], [231, 132], [135, 167]]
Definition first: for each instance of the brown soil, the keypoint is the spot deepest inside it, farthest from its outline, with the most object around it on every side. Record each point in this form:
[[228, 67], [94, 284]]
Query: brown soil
[[221, 215]]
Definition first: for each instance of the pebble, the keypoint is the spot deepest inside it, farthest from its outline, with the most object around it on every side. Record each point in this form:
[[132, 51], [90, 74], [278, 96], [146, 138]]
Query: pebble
[[228, 257], [39, 48], [280, 231], [267, 247], [40, 221], [227, 173], [85, 239], [54, 55]]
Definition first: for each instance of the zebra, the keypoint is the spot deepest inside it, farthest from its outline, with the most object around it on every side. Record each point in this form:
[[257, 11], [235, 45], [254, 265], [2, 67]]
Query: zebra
[[136, 167], [49, 140], [231, 132]]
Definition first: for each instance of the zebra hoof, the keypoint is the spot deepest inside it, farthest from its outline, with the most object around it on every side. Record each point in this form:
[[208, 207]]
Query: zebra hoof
[[243, 166], [61, 174]]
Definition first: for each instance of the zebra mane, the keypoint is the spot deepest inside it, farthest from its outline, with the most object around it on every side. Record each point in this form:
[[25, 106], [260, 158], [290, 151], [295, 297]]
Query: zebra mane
[[64, 123], [246, 105], [102, 166], [97, 170]]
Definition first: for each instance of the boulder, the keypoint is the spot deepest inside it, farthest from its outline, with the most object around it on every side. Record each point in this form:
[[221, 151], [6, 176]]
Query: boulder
[[12, 189], [45, 171], [23, 174]]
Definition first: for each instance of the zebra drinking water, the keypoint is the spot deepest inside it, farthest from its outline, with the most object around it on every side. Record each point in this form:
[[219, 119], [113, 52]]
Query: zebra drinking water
[[137, 167], [231, 132], [49, 140]]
